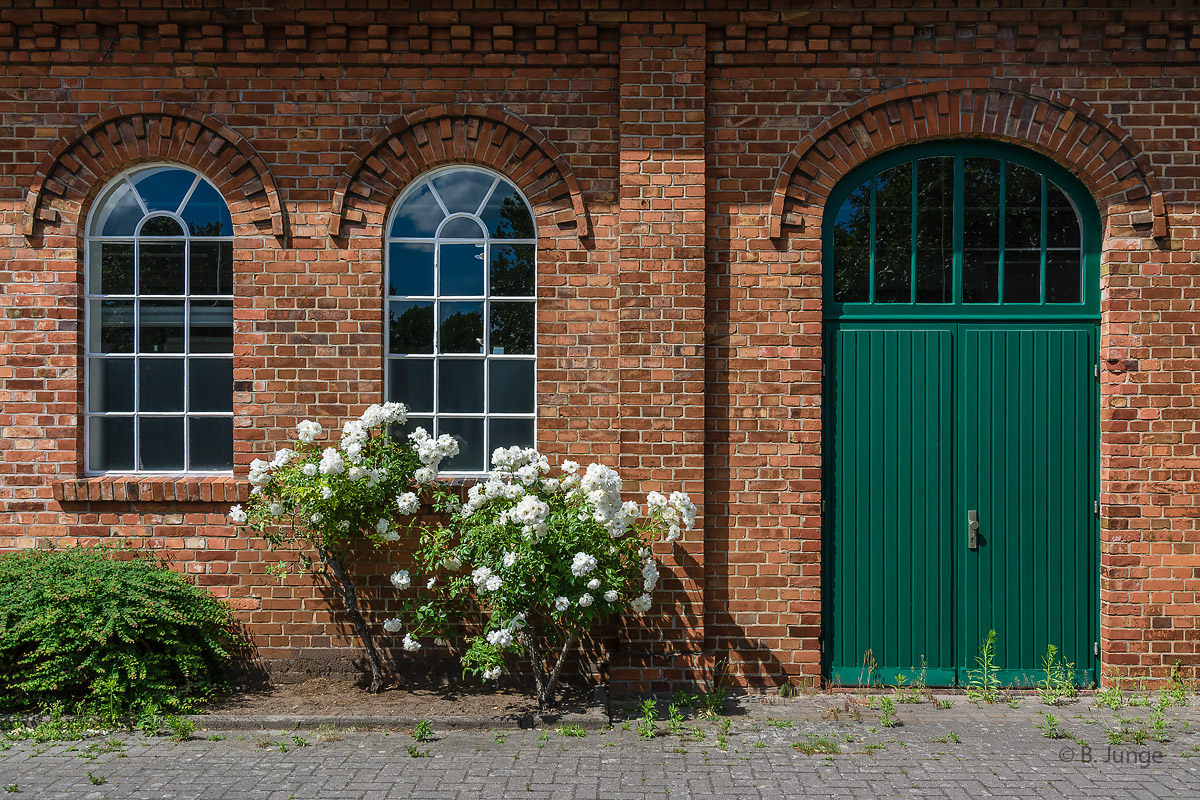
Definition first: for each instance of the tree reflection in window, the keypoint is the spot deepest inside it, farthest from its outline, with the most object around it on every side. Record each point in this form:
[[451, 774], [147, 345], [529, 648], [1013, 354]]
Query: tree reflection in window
[[898, 235], [461, 275]]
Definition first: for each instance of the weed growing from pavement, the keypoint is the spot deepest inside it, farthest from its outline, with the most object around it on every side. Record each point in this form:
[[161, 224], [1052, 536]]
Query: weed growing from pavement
[[948, 737], [423, 732], [887, 712], [1057, 684], [1113, 696], [983, 684], [647, 727], [572, 731], [813, 744], [1051, 728]]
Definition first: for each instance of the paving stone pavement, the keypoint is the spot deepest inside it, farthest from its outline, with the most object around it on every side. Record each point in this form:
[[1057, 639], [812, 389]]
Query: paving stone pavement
[[998, 754]]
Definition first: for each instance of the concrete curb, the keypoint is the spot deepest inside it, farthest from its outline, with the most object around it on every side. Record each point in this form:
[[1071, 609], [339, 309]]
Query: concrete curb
[[286, 722]]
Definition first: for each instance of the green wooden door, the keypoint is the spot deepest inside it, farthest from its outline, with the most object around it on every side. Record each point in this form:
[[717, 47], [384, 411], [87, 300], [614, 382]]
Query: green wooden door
[[961, 303], [892, 509], [1026, 461]]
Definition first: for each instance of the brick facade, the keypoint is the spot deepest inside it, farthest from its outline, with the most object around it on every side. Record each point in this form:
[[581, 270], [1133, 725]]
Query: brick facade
[[677, 163]]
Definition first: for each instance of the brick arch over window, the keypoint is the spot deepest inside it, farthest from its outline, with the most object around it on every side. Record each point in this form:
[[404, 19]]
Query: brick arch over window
[[1105, 157], [80, 165], [472, 134]]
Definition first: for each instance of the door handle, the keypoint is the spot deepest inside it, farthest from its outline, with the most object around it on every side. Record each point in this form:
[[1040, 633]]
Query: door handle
[[973, 529]]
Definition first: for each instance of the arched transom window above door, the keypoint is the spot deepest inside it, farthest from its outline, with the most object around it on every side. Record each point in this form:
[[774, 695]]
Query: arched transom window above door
[[461, 257], [955, 227]]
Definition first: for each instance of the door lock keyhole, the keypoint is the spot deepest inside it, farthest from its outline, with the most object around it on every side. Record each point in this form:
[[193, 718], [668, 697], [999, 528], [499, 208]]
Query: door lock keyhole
[[973, 529]]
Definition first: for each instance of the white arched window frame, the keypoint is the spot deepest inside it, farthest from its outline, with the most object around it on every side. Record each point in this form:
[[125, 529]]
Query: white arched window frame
[[158, 376], [461, 312]]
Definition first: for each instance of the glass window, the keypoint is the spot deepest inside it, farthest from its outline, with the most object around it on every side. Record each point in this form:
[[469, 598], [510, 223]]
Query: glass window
[[159, 326], [955, 227], [461, 265]]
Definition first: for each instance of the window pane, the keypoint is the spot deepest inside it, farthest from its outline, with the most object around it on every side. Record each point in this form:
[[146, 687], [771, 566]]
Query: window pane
[[1062, 223], [410, 269], [160, 440], [463, 190], [935, 229], [161, 324], [1022, 276], [111, 268], [460, 328], [410, 381], [211, 324], [512, 328], [512, 270], [510, 432], [460, 386], [119, 213], [506, 214], [469, 434], [461, 269], [410, 327], [111, 323], [418, 216], [160, 386], [160, 268], [400, 432], [210, 443], [212, 268], [110, 443], [462, 228], [206, 213], [210, 384], [163, 188], [110, 384], [1022, 208], [510, 386], [893, 234], [852, 247], [161, 226], [981, 230], [1063, 284]]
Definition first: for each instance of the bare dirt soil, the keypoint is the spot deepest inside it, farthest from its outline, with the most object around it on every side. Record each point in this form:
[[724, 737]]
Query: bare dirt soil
[[343, 697]]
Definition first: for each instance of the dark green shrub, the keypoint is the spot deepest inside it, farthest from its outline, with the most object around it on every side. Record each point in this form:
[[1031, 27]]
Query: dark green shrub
[[110, 630]]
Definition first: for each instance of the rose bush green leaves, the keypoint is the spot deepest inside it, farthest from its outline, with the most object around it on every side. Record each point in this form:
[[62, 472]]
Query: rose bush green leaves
[[543, 558], [327, 501]]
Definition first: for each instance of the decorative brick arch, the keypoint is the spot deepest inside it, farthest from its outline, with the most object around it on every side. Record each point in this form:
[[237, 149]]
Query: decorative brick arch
[[472, 134], [78, 166], [1105, 157]]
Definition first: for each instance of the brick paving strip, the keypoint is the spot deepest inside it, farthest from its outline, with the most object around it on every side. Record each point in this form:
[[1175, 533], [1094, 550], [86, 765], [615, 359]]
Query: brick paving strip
[[999, 753]]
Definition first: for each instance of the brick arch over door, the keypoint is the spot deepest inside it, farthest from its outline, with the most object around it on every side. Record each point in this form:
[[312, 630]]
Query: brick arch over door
[[82, 164], [1105, 157], [471, 134]]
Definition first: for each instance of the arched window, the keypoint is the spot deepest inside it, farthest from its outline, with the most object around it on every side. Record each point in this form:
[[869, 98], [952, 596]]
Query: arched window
[[159, 326], [461, 267], [961, 227]]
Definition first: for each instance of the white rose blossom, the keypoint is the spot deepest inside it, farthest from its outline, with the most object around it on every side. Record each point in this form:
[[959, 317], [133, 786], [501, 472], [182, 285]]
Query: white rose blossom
[[408, 503], [331, 462], [411, 644], [400, 579], [309, 469], [237, 515], [491, 674], [392, 625], [583, 564], [593, 584], [307, 431], [501, 638], [585, 600], [493, 583], [610, 596], [451, 564], [641, 604], [561, 604]]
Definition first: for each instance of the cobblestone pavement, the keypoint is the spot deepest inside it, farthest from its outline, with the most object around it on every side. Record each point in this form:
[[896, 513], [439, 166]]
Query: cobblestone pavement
[[962, 752]]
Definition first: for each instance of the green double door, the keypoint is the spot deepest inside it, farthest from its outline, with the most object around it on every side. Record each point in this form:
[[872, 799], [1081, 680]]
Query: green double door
[[961, 476]]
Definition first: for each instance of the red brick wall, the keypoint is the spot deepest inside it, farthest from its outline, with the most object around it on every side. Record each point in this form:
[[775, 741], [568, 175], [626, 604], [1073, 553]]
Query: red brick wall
[[677, 162]]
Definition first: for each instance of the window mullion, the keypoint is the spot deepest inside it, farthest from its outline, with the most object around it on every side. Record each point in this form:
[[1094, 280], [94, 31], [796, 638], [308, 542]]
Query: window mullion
[[1003, 211], [871, 269], [912, 250], [1042, 234]]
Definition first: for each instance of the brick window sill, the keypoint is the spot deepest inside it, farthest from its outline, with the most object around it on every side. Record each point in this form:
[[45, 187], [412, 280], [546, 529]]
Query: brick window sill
[[151, 489]]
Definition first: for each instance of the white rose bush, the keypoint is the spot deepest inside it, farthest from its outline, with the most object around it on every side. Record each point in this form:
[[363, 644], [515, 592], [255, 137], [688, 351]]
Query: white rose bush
[[541, 559], [327, 501]]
